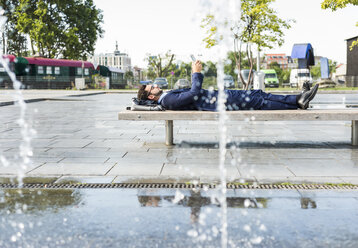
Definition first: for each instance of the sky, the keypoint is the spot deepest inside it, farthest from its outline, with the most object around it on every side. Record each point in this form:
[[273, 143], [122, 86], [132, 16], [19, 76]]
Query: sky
[[143, 27]]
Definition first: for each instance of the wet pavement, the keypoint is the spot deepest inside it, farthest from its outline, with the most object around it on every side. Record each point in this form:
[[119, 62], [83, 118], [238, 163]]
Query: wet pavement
[[78, 140], [176, 218]]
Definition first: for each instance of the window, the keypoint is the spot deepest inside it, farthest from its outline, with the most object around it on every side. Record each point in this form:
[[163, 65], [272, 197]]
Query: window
[[40, 70], [79, 71], [57, 70], [86, 71], [48, 70]]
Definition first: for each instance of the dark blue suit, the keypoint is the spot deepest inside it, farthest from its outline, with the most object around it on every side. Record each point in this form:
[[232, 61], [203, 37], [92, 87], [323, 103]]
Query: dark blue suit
[[197, 98]]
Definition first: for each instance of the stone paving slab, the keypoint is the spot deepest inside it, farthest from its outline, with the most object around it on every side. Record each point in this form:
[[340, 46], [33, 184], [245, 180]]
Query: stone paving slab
[[82, 179], [99, 169], [193, 169], [298, 180], [81, 138], [8, 96], [138, 167], [265, 170], [155, 179]]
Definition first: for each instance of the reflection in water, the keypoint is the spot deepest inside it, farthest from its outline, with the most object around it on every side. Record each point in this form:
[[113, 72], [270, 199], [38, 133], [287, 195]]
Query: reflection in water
[[199, 201], [308, 203], [35, 200], [196, 201]]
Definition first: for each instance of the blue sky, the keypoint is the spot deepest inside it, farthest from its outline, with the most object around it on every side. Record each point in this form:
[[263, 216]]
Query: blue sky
[[154, 26]]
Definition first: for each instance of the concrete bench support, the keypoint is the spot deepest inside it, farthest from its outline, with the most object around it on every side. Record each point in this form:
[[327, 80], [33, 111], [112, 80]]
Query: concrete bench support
[[253, 115], [354, 133], [169, 133]]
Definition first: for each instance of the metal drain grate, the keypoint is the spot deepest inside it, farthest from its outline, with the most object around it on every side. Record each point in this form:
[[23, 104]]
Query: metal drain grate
[[180, 186]]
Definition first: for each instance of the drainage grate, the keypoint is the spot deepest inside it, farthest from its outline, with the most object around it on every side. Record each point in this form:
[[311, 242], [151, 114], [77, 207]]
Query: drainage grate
[[180, 186]]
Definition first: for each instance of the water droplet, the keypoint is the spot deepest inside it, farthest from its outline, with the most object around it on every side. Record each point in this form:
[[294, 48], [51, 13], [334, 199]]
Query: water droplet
[[263, 228], [21, 226], [247, 228], [192, 233], [256, 240], [13, 238], [247, 203]]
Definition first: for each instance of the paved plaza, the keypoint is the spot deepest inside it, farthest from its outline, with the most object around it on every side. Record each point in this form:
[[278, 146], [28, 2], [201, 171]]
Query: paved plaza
[[79, 138]]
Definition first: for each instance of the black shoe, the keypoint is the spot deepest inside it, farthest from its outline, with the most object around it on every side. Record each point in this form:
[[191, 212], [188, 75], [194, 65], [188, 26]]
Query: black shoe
[[306, 97], [305, 87]]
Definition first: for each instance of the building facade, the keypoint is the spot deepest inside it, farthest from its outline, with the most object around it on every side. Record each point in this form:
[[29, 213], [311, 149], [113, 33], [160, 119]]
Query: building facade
[[285, 62], [115, 59]]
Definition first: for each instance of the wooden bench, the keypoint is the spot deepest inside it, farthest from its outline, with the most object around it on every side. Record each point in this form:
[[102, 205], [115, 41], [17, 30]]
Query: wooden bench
[[256, 115]]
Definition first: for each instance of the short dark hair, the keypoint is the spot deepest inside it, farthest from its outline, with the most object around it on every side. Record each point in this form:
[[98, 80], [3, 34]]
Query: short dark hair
[[142, 93]]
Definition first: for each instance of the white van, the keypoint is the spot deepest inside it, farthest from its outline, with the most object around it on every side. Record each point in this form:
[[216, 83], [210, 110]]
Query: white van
[[299, 76]]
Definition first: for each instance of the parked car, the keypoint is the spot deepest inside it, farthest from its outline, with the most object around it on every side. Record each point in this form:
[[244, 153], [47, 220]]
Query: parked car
[[161, 82], [229, 81], [182, 84]]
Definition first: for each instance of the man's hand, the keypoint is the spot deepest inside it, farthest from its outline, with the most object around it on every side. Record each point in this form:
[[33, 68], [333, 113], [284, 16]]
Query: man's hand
[[196, 66]]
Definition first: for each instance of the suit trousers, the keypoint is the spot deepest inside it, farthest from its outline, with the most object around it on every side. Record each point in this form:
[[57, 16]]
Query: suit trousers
[[278, 102], [259, 100]]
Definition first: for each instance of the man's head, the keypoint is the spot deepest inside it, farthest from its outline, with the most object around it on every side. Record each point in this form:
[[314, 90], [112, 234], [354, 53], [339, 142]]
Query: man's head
[[151, 92]]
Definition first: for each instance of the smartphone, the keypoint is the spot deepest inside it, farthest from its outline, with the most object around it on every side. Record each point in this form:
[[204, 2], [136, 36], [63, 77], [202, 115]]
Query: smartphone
[[192, 57]]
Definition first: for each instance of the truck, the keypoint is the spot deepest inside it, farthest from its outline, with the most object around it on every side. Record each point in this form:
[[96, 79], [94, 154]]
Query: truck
[[271, 79], [299, 76]]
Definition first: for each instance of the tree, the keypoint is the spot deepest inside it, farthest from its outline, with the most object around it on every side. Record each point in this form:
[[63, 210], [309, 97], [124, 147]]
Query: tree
[[340, 4], [66, 28], [209, 69], [14, 42], [230, 67], [182, 70], [128, 75], [258, 25], [161, 64]]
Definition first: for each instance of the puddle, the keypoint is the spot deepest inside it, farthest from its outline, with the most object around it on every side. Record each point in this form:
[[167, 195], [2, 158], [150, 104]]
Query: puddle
[[150, 218]]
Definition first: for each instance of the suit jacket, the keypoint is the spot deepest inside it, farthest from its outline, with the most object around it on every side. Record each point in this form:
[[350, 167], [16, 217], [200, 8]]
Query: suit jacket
[[197, 98]]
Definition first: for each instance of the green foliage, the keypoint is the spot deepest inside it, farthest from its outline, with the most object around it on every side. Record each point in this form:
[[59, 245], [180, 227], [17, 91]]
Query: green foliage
[[150, 74], [259, 25], [316, 69], [282, 75], [66, 28], [182, 70], [15, 42], [209, 69], [230, 67], [208, 22], [128, 75], [162, 65], [339, 4], [209, 83]]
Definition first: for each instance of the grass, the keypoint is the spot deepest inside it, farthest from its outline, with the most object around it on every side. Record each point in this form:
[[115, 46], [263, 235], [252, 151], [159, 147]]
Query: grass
[[294, 89]]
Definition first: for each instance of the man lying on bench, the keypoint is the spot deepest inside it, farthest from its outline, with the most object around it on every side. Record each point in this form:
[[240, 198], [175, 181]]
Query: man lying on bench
[[197, 98]]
